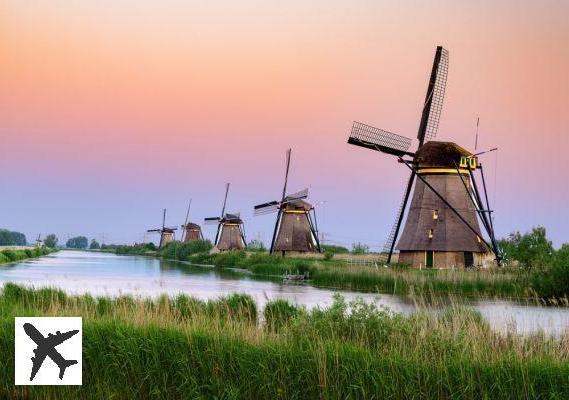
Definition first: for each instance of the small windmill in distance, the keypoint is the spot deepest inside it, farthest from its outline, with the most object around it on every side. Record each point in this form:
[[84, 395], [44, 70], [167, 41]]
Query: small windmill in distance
[[295, 228], [39, 242], [166, 234], [230, 233], [191, 231]]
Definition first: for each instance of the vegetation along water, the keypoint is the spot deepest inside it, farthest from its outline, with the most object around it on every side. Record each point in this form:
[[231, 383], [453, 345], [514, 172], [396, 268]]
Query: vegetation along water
[[185, 348]]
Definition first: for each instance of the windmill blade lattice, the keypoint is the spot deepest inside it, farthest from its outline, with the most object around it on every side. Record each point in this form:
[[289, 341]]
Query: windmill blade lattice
[[378, 139], [436, 94]]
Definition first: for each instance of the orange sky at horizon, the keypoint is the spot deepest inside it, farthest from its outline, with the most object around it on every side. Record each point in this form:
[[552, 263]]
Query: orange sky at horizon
[[123, 93]]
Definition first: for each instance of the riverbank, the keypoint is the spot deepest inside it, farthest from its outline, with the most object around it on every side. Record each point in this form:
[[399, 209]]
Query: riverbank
[[339, 274], [14, 254], [185, 348]]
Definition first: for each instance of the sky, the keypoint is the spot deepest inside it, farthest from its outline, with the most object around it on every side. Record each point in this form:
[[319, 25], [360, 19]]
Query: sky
[[111, 111]]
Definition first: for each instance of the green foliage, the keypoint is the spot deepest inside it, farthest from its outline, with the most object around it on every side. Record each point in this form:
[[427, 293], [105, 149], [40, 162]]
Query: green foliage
[[94, 245], [7, 256], [229, 258], [50, 241], [78, 242], [183, 250], [553, 282], [256, 245], [136, 249], [531, 250], [186, 348], [328, 255], [10, 238], [360, 248], [334, 249], [279, 313]]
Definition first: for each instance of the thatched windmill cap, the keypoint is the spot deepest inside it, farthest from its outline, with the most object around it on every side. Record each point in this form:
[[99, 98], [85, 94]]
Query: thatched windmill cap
[[440, 154]]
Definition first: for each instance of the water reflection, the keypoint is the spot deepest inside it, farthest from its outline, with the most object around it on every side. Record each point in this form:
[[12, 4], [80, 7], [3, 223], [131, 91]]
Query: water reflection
[[99, 274]]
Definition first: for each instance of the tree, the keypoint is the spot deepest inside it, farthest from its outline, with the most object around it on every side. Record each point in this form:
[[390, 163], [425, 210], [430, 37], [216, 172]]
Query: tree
[[10, 238], [94, 245], [51, 240], [531, 250], [256, 245], [360, 248], [78, 242]]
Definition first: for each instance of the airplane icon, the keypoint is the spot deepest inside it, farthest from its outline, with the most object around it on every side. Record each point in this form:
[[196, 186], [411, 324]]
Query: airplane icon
[[46, 348]]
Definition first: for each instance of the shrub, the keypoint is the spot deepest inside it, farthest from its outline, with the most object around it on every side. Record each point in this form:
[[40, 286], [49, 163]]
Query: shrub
[[334, 249], [256, 245], [360, 248], [553, 282], [229, 258], [328, 255]]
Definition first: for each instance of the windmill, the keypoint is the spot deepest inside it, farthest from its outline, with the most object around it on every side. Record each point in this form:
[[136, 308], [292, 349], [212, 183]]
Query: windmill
[[190, 231], [295, 228], [441, 227], [166, 234], [230, 233], [39, 242]]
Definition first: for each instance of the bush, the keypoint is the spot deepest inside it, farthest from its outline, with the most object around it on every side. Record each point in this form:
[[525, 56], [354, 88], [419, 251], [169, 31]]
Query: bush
[[334, 249], [553, 282], [229, 258], [256, 245], [328, 255], [360, 248], [183, 250]]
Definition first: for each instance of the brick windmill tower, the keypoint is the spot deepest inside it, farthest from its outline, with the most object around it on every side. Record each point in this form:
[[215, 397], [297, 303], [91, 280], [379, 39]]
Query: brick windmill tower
[[295, 226], [442, 227], [230, 233]]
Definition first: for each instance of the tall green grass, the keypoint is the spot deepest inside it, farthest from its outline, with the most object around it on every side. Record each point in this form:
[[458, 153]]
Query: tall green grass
[[180, 348], [8, 256]]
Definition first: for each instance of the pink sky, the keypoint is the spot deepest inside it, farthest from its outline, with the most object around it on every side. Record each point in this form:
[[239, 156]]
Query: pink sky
[[111, 111]]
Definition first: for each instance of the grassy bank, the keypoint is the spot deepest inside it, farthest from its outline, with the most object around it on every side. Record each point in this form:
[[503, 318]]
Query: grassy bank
[[185, 348], [8, 256], [338, 274]]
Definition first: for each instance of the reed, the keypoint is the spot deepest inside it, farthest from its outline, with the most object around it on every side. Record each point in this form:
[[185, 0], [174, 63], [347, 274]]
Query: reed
[[186, 348]]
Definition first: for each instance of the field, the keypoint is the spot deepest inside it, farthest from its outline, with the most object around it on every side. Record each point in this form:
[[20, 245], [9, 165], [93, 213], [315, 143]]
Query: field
[[185, 348]]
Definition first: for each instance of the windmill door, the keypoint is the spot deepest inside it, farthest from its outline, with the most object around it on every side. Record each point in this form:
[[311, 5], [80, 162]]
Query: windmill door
[[429, 259], [468, 259]]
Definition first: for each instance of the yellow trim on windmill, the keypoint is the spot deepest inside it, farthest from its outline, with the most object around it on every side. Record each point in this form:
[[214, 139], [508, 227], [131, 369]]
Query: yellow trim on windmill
[[441, 171]]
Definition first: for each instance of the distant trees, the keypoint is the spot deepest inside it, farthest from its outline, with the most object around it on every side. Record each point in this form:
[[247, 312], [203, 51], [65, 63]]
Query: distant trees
[[256, 245], [78, 242], [334, 249], [10, 238], [94, 245], [360, 248], [50, 241]]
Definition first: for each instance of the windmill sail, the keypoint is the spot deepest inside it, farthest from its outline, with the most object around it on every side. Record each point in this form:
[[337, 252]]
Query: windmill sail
[[435, 97], [378, 139]]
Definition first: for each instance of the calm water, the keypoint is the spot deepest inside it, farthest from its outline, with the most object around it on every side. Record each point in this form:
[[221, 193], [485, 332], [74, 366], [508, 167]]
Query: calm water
[[79, 272]]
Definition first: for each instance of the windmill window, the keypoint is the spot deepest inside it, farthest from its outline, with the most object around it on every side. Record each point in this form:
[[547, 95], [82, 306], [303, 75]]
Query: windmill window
[[479, 240], [435, 214], [430, 233]]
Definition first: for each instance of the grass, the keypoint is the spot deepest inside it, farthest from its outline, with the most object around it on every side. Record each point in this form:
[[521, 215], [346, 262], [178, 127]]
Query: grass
[[185, 348], [8, 256], [336, 273]]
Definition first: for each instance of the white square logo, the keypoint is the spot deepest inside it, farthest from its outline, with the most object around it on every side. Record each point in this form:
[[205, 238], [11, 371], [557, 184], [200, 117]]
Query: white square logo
[[48, 351]]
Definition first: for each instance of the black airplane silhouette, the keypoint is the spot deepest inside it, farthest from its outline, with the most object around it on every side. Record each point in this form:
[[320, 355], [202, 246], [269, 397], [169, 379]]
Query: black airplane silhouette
[[46, 348]]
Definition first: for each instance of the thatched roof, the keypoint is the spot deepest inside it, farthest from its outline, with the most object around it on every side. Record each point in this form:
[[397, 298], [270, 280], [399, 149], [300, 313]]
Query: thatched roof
[[444, 154]]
